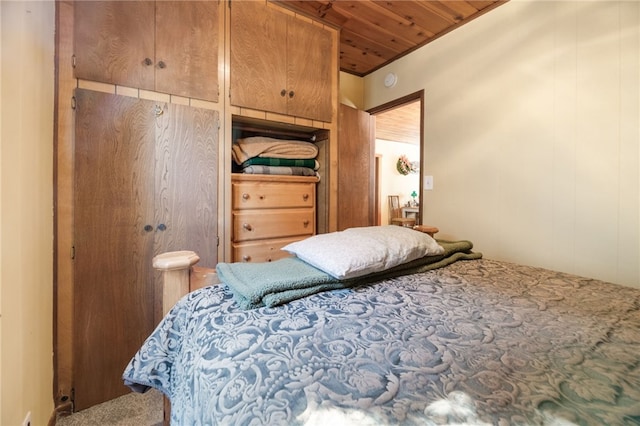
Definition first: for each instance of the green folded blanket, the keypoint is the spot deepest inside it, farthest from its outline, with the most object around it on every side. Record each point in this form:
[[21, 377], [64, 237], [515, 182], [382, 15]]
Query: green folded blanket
[[285, 162], [274, 283]]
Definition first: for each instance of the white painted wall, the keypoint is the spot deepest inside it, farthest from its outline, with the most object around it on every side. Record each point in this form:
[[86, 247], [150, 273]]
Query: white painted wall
[[26, 210], [532, 134]]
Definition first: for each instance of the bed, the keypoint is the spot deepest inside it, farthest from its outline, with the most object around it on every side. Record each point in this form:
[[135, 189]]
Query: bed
[[453, 339]]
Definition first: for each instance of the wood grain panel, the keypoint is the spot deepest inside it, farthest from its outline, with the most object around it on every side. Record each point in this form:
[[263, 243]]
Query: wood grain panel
[[356, 151], [262, 224], [112, 41], [400, 124], [309, 70], [262, 251], [63, 231], [187, 181], [256, 195], [374, 22], [258, 57], [189, 49], [113, 288]]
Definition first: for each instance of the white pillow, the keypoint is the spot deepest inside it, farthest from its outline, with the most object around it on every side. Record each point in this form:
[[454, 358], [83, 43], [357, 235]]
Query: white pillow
[[355, 252]]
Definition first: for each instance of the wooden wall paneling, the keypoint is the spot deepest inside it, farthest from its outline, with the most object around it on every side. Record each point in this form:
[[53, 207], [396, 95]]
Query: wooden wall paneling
[[113, 237]]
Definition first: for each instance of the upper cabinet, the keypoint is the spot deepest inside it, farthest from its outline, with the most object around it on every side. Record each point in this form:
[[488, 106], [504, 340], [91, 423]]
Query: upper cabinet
[[280, 63], [164, 46]]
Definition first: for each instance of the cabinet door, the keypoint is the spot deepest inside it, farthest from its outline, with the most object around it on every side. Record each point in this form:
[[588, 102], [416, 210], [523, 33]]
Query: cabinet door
[[145, 181], [187, 182], [113, 293], [309, 70], [187, 48], [279, 63], [258, 77], [114, 42]]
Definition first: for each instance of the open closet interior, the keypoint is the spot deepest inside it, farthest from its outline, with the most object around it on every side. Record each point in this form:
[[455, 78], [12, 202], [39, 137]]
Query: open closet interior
[[279, 190]]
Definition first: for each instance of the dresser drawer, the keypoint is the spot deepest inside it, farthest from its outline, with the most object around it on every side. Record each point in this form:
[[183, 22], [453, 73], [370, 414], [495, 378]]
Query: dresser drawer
[[260, 195], [262, 251], [259, 224]]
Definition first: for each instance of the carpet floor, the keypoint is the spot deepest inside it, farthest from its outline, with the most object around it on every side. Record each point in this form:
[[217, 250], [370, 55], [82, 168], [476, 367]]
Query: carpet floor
[[133, 409]]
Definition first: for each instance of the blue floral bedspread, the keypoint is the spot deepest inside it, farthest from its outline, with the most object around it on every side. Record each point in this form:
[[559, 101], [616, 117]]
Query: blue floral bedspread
[[476, 342]]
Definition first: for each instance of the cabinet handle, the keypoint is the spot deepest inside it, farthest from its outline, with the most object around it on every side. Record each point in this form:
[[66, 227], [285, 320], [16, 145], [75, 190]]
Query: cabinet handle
[[245, 196], [162, 227], [247, 227], [148, 228], [246, 258], [305, 197], [283, 93], [161, 64], [305, 223], [291, 94], [147, 61]]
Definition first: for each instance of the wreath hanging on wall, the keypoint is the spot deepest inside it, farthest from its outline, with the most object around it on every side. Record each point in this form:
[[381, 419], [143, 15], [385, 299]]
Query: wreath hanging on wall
[[405, 166]]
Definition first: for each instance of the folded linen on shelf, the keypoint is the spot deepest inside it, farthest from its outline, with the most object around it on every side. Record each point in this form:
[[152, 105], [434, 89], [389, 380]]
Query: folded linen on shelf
[[287, 162], [262, 146], [279, 170]]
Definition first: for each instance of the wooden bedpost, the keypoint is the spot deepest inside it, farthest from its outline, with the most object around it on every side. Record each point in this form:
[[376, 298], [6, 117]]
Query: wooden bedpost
[[175, 267], [176, 270]]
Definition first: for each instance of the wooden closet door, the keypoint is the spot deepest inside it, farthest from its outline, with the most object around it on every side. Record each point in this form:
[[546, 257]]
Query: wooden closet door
[[187, 47], [258, 57], [113, 306], [113, 40], [187, 182], [356, 177]]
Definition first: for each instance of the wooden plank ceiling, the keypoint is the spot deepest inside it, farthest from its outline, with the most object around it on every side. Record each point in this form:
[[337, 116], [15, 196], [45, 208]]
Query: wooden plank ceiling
[[400, 124], [374, 33]]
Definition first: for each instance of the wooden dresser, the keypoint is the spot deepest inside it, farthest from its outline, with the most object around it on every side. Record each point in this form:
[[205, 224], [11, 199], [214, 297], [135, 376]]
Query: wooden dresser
[[269, 212]]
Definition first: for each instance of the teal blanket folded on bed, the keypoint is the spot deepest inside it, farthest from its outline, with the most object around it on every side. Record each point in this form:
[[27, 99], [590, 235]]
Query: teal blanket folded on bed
[[274, 283]]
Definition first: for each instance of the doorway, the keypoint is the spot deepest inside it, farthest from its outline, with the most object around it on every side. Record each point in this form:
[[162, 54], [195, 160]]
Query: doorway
[[399, 137]]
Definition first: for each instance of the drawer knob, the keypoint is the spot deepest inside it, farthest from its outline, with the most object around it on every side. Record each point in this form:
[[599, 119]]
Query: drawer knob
[[246, 258], [305, 197], [245, 196], [305, 223], [247, 227]]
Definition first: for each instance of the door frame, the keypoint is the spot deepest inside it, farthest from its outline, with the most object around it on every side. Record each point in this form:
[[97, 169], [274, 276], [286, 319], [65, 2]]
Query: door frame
[[412, 97]]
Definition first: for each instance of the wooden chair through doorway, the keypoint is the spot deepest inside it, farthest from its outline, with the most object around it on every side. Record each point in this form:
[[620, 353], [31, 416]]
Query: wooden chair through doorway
[[395, 213]]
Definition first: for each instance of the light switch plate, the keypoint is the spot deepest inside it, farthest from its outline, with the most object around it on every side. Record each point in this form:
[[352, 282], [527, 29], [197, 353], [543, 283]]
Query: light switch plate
[[428, 183]]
